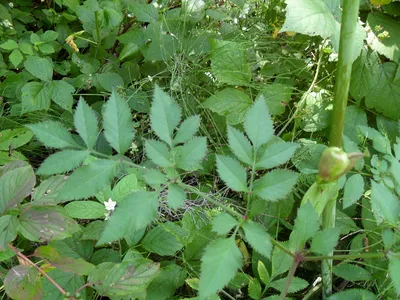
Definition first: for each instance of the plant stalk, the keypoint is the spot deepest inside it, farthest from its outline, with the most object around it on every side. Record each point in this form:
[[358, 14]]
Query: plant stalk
[[342, 86]]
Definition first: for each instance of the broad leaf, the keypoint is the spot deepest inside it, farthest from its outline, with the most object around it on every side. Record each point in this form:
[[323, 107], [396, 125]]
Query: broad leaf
[[187, 130], [110, 81], [15, 185], [232, 173], [23, 282], [223, 223], [35, 96], [154, 177], [160, 241], [129, 279], [351, 272], [254, 289], [258, 238], [85, 122], [353, 190], [39, 67], [133, 213], [297, 284], [158, 152], [275, 185], [277, 97], [165, 115], [88, 180], [325, 241], [61, 93], [231, 103], [144, 12], [14, 138], [62, 162], [8, 230], [355, 116], [53, 134], [176, 196], [66, 264], [219, 264], [240, 145], [384, 91], [48, 190], [189, 156], [117, 122], [85, 210], [385, 205], [127, 185], [275, 154], [258, 124], [69, 281], [383, 36], [263, 273], [229, 63], [167, 281], [43, 224]]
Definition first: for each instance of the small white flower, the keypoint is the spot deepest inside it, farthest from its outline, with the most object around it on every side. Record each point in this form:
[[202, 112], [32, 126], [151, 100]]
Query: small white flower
[[11, 4], [110, 205]]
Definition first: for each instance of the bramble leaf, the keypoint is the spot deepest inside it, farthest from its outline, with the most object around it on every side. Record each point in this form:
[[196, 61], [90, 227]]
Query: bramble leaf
[[258, 238], [275, 155], [135, 212], [190, 155], [165, 115], [39, 67], [232, 173], [324, 242], [85, 210], [158, 152], [85, 121], [8, 230], [176, 196], [88, 180], [275, 185], [258, 124], [53, 134], [219, 264], [240, 145], [117, 122], [353, 190], [187, 130], [62, 162], [223, 223], [351, 272]]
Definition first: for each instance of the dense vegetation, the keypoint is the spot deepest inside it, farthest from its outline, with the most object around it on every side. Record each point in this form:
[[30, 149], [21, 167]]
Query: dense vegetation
[[161, 149]]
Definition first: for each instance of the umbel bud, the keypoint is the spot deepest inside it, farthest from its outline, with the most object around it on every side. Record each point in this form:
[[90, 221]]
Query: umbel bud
[[334, 163]]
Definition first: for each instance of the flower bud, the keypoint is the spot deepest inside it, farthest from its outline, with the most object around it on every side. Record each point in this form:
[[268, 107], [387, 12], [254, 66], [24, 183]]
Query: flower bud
[[333, 163]]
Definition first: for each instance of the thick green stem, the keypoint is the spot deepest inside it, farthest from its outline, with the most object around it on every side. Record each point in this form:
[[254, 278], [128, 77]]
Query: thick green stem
[[343, 73], [343, 76]]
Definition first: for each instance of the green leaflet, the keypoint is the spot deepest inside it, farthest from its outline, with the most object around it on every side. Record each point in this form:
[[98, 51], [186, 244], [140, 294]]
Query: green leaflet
[[240, 145], [117, 122], [394, 268], [319, 194], [62, 162], [133, 213], [158, 152], [35, 96], [275, 154], [258, 238], [219, 264], [88, 180], [187, 130], [165, 115], [53, 134], [385, 205], [176, 196], [258, 124], [275, 185], [353, 190], [351, 272], [160, 241], [223, 223], [189, 156], [232, 173], [325, 241], [297, 284], [85, 122]]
